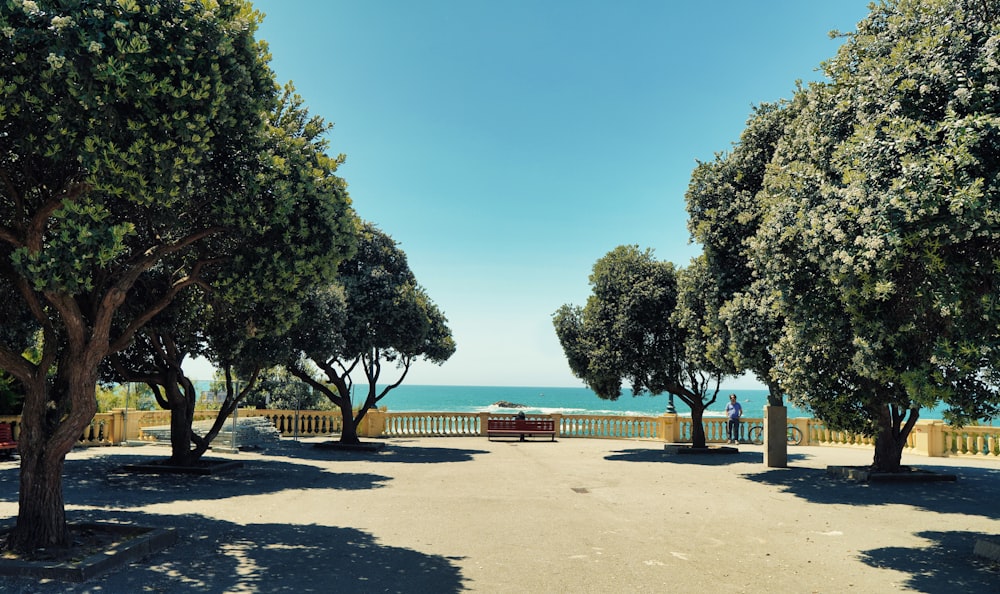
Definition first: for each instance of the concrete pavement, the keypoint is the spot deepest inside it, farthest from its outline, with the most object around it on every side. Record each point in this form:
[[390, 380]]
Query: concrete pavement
[[578, 515]]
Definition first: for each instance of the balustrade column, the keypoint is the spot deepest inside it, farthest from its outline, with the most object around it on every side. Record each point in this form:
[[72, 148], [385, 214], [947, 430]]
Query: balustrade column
[[671, 427], [117, 435], [802, 424], [929, 438], [374, 424]]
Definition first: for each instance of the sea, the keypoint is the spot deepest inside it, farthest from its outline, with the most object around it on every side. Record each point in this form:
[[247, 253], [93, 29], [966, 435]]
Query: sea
[[578, 401], [561, 400]]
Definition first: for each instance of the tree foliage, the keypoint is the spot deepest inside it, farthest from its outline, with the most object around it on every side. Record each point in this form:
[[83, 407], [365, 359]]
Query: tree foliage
[[724, 213], [238, 326], [644, 326], [132, 143], [376, 314], [882, 230], [279, 389]]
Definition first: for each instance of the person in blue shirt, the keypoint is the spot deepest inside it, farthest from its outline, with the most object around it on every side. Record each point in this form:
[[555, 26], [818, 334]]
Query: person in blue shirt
[[733, 413]]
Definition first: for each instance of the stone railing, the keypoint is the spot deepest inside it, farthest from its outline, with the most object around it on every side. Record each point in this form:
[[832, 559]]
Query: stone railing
[[418, 424], [611, 427], [104, 430], [928, 438], [302, 423]]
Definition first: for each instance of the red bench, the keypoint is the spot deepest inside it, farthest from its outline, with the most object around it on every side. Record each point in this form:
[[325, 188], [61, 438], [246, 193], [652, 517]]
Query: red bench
[[7, 444], [520, 428]]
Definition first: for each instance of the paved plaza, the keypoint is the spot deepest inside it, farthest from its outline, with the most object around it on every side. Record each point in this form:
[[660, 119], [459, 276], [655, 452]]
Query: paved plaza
[[578, 515]]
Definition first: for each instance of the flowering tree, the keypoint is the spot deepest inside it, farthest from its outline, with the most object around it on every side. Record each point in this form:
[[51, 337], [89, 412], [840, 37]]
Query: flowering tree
[[239, 327], [130, 144], [882, 227]]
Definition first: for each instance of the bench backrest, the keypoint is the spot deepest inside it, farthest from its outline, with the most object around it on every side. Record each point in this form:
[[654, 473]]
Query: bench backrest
[[521, 424], [6, 435]]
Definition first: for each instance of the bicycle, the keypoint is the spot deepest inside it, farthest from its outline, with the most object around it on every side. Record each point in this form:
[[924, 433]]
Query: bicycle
[[756, 435]]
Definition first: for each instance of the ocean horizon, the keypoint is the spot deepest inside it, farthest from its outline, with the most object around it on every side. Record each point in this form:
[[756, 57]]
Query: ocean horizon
[[561, 400], [549, 400], [570, 401]]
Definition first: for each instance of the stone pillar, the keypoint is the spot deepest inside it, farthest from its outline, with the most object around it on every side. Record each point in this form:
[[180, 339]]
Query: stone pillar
[[802, 424], [117, 433], [130, 423], [929, 438], [374, 425], [671, 428], [775, 436], [557, 420]]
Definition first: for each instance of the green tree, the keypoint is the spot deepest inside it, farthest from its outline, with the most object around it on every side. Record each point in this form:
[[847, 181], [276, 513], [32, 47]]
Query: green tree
[[636, 328], [279, 389], [724, 213], [129, 396], [10, 396], [238, 325], [130, 134], [882, 225], [377, 314]]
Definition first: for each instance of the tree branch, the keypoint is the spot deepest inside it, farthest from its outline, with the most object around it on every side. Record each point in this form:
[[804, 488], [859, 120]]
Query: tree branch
[[35, 232], [407, 361], [125, 338]]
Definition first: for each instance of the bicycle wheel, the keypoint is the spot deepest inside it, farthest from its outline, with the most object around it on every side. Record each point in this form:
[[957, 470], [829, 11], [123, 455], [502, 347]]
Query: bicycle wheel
[[794, 435], [756, 434]]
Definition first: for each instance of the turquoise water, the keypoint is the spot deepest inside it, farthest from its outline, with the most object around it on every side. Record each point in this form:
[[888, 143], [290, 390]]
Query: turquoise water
[[580, 401], [540, 400]]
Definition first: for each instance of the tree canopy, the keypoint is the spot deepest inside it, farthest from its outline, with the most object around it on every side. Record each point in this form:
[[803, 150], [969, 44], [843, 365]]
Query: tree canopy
[[643, 324], [881, 228], [238, 326], [134, 146], [723, 215], [376, 313]]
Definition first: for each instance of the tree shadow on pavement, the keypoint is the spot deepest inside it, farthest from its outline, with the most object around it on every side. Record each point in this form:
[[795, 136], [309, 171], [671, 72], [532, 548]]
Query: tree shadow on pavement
[[969, 495], [101, 481], [713, 459], [396, 451], [946, 564], [219, 556]]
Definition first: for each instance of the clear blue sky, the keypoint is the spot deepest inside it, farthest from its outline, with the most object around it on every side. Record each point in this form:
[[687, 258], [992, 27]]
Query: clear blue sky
[[508, 145]]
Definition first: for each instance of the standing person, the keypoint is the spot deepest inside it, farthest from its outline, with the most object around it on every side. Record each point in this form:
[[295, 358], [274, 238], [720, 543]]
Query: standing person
[[733, 412]]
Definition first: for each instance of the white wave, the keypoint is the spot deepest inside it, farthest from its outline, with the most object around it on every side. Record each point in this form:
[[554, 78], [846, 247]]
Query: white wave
[[542, 410]]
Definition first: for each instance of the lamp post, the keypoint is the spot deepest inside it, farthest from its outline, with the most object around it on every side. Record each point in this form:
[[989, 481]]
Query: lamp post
[[670, 405]]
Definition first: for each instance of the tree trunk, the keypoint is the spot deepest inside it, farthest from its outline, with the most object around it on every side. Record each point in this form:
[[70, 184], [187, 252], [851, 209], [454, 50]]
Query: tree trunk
[[340, 397], [349, 433], [41, 517], [888, 452], [181, 418], [697, 426], [891, 437], [774, 397], [52, 421]]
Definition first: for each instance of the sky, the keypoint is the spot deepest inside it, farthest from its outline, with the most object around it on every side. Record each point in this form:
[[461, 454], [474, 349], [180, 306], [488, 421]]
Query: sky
[[507, 146]]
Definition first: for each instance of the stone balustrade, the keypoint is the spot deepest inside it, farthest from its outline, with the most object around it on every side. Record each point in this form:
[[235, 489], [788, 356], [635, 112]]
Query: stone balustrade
[[928, 438]]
